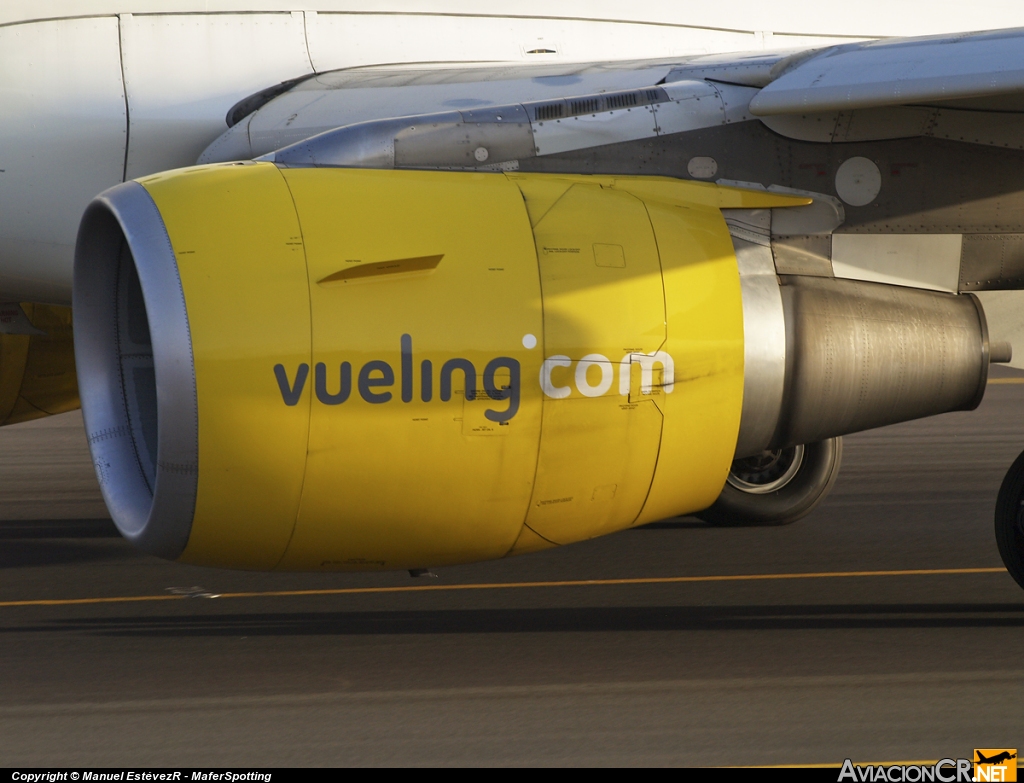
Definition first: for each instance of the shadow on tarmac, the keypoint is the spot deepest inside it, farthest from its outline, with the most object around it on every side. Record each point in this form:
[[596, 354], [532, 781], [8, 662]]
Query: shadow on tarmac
[[677, 523], [557, 620], [31, 529], [40, 542]]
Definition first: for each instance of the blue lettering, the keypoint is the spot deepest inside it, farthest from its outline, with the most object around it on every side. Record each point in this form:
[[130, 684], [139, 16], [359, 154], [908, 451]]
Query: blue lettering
[[426, 380], [320, 384], [291, 394], [367, 384], [468, 373], [406, 368], [510, 392], [376, 376]]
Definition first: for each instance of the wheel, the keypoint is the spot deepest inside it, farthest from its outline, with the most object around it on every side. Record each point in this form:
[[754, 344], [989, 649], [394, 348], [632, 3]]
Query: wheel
[[1010, 520], [777, 487]]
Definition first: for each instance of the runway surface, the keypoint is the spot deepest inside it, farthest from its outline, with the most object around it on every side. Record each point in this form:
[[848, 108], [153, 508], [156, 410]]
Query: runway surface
[[883, 667]]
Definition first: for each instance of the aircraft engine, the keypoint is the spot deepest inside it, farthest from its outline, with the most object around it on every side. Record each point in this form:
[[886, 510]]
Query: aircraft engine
[[352, 369], [37, 362]]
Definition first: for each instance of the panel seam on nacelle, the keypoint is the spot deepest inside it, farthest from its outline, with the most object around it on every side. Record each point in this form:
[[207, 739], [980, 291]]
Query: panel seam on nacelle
[[309, 415]]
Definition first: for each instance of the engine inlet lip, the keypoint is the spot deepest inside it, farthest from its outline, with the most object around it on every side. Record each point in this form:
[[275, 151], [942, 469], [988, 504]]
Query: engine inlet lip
[[157, 519]]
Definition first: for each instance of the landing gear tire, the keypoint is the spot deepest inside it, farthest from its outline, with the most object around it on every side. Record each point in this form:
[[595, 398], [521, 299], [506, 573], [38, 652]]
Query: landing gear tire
[[778, 487], [1010, 520]]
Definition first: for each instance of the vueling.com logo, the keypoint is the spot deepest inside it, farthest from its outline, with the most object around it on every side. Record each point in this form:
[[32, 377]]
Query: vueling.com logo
[[594, 376]]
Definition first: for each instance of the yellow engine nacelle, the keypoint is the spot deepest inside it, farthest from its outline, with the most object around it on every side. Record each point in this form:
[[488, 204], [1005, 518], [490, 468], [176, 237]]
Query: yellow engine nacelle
[[37, 363], [357, 369]]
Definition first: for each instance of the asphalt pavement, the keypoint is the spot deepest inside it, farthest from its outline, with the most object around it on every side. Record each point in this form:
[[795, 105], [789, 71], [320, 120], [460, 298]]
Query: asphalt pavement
[[675, 643]]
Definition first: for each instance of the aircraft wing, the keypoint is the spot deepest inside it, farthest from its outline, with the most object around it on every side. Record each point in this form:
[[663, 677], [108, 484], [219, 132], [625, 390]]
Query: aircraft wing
[[956, 86], [978, 66]]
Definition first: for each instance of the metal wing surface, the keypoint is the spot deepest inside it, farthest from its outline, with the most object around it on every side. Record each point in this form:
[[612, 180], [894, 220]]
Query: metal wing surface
[[985, 68]]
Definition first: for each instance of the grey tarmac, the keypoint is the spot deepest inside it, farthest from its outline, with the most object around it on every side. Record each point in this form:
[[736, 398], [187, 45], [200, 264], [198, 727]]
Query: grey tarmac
[[734, 672]]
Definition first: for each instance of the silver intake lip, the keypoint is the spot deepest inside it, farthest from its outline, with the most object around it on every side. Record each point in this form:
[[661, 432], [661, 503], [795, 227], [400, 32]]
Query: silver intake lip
[[136, 373]]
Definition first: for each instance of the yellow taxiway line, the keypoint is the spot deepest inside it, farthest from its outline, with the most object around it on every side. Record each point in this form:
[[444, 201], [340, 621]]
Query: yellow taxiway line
[[925, 763], [931, 763], [1006, 380], [666, 580]]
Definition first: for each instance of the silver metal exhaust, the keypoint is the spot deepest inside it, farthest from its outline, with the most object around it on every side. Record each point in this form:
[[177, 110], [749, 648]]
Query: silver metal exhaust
[[826, 357], [862, 355]]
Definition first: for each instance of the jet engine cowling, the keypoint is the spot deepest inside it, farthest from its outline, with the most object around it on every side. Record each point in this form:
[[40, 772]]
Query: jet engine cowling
[[359, 369]]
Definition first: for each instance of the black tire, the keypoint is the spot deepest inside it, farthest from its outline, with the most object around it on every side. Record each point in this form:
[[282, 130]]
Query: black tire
[[773, 497], [1010, 520]]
